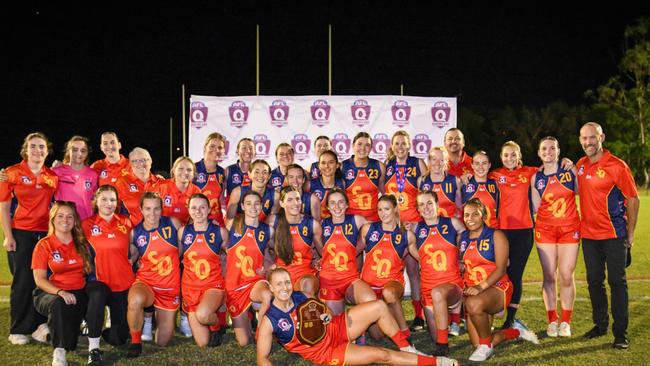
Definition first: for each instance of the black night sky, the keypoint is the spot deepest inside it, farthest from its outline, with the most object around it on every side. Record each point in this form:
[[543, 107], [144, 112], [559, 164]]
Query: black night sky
[[86, 69]]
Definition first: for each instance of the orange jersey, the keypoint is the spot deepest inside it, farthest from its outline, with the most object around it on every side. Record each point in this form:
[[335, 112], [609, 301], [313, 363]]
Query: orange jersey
[[109, 251], [31, 196], [108, 172], [159, 263], [302, 236], [362, 187], [130, 189], [65, 267], [339, 249], [211, 185], [446, 190], [478, 257], [202, 257], [245, 256], [384, 255], [174, 201], [402, 182], [604, 188], [515, 206], [488, 193], [438, 253], [558, 199], [464, 166]]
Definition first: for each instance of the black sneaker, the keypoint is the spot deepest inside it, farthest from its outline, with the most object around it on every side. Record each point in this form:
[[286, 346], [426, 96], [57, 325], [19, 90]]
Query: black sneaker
[[441, 350], [595, 332], [134, 350], [417, 324], [215, 338], [621, 343], [95, 357]]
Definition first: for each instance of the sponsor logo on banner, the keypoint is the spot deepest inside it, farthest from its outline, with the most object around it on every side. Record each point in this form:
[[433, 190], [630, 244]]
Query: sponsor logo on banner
[[198, 115], [341, 144], [279, 112], [440, 113], [401, 112], [262, 146], [380, 145], [301, 146], [421, 145], [320, 112], [238, 112], [360, 111]]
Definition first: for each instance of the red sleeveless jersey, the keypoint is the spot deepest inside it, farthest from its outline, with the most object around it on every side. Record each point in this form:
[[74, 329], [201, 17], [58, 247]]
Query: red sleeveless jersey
[[202, 257], [339, 250], [301, 238], [407, 197], [362, 188], [384, 253], [438, 253], [558, 204], [159, 263], [245, 256]]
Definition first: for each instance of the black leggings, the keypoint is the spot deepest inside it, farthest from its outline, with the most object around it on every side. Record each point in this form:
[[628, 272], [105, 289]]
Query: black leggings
[[63, 320], [99, 296], [521, 243]]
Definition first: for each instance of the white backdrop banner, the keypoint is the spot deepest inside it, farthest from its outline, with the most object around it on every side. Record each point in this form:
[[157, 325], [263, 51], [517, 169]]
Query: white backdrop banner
[[298, 120]]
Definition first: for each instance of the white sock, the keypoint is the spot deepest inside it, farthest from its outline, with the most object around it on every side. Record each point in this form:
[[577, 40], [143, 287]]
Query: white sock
[[93, 343], [146, 328], [183, 317]]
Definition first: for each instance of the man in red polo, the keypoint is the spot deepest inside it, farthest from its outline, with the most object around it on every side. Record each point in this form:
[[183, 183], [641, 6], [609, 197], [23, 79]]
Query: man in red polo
[[459, 162], [609, 205]]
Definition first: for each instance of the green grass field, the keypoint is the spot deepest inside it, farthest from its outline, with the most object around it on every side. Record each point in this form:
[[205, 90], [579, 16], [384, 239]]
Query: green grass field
[[570, 351]]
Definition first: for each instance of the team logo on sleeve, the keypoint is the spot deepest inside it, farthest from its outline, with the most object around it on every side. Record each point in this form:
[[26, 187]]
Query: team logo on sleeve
[[56, 256], [95, 230], [301, 146], [142, 240], [279, 112], [401, 111], [262, 146], [341, 144], [421, 145], [238, 112], [380, 144], [198, 115], [320, 112], [440, 113], [284, 324], [360, 110]]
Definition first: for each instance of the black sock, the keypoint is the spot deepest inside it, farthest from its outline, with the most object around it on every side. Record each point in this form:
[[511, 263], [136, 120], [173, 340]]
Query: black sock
[[510, 317]]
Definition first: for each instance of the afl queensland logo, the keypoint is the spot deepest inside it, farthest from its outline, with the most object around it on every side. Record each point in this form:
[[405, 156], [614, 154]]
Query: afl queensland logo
[[236, 178], [301, 146], [423, 233], [188, 239], [238, 112], [425, 187], [201, 178], [502, 179], [327, 231], [279, 112], [440, 114], [25, 180], [320, 112], [167, 201], [581, 171], [142, 240], [198, 115], [349, 174], [262, 146], [95, 230], [541, 184], [374, 236], [284, 324], [470, 188], [341, 144], [360, 111], [463, 246], [380, 144], [56, 256], [103, 173], [88, 184], [133, 187], [421, 145], [401, 112]]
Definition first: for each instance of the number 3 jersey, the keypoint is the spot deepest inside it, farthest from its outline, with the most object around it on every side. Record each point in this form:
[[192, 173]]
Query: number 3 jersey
[[202, 257], [159, 263], [478, 257]]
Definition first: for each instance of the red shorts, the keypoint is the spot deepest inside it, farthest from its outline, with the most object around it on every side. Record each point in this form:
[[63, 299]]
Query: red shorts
[[297, 273], [426, 288], [333, 289], [163, 299], [378, 289], [331, 350], [192, 297], [504, 285], [239, 300], [555, 234]]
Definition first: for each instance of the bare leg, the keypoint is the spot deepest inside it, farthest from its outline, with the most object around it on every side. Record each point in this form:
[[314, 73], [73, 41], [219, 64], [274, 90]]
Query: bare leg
[[261, 293], [166, 321], [568, 254], [480, 308], [307, 284], [140, 296], [242, 327], [359, 292], [443, 296], [392, 294], [364, 355], [548, 256], [205, 315], [361, 316]]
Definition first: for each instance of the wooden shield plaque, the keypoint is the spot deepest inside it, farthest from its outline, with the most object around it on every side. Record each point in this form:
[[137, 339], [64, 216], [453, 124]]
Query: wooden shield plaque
[[311, 330]]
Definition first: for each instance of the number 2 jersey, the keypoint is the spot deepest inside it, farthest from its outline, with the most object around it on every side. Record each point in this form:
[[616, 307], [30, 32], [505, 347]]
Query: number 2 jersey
[[438, 253], [159, 263]]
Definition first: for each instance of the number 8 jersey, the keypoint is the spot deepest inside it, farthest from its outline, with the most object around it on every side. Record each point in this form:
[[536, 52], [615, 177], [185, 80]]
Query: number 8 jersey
[[159, 263]]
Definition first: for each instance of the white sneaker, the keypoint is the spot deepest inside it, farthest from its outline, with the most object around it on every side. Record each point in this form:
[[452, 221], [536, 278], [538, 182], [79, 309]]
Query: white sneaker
[[524, 332], [58, 357], [565, 330], [42, 333], [551, 330], [147, 331], [412, 349], [18, 339], [185, 326], [445, 361], [454, 329], [481, 353]]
